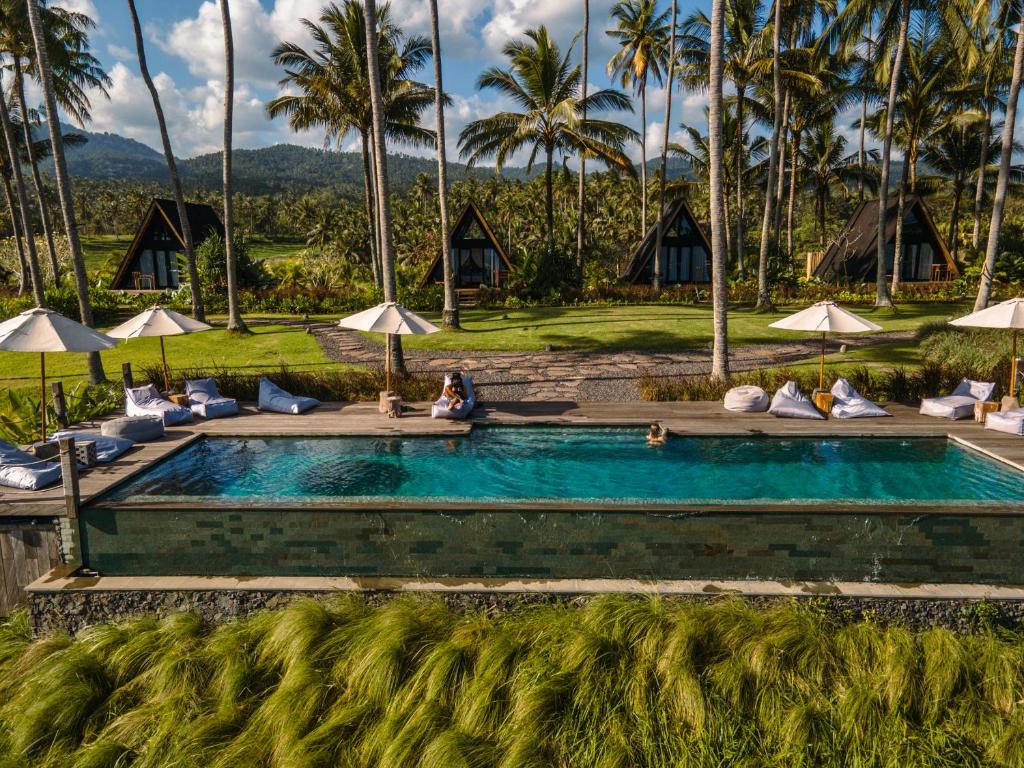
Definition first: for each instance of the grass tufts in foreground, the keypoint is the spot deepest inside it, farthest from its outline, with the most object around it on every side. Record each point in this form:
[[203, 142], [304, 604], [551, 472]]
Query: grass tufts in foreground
[[621, 681]]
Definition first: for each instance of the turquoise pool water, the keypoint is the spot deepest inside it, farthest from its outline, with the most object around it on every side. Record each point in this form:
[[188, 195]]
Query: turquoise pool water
[[555, 464]]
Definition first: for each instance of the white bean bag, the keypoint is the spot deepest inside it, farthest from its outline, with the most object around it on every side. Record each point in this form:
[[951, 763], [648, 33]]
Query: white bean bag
[[273, 398], [138, 429], [1011, 422], [790, 403], [848, 403], [107, 448], [440, 410], [207, 402], [19, 469], [747, 399], [146, 401], [960, 404]]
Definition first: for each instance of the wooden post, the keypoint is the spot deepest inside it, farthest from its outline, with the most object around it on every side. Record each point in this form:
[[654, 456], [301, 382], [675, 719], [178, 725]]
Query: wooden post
[[1013, 364], [60, 405], [42, 396], [69, 473], [821, 369], [163, 360], [126, 375]]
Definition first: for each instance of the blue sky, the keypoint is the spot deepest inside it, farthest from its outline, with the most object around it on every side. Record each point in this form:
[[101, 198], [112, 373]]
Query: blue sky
[[185, 51]]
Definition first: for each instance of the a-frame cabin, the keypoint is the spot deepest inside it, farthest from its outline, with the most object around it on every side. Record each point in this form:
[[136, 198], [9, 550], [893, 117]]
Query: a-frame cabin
[[154, 260], [686, 251], [477, 257], [852, 256]]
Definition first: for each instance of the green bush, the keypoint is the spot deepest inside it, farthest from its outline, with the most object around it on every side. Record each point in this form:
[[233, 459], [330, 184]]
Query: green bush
[[19, 411], [619, 681]]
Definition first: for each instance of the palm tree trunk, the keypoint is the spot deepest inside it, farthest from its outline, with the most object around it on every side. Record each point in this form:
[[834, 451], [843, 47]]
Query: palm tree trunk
[[794, 143], [764, 298], [1002, 180], [581, 190], [780, 189], [44, 209], [549, 201], [387, 250], [901, 207], [369, 190], [954, 217], [450, 316], [719, 256], [378, 267], [60, 167], [643, 160], [235, 322], [741, 90], [15, 212], [979, 188], [860, 148], [664, 147], [882, 297], [198, 310], [821, 219]]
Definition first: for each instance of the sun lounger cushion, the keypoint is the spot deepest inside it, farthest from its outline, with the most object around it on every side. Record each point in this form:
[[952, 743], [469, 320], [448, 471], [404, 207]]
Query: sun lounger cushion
[[848, 403], [146, 401], [747, 399], [207, 402], [440, 408], [790, 403], [960, 404], [138, 429], [19, 469], [107, 448], [1011, 422], [273, 398]]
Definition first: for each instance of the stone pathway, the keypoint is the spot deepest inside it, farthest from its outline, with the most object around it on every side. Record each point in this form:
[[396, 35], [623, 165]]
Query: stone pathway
[[574, 376]]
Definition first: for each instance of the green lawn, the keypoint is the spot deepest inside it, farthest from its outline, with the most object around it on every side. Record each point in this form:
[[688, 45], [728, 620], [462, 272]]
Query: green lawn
[[638, 327], [104, 252], [269, 347], [271, 251]]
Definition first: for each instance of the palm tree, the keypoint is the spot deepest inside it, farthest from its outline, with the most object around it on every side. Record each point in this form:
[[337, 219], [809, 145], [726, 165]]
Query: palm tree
[[662, 177], [60, 168], [451, 307], [764, 297], [581, 191], [1005, 155], [198, 311], [235, 322], [14, 210], [543, 83], [719, 258], [14, 161], [642, 33]]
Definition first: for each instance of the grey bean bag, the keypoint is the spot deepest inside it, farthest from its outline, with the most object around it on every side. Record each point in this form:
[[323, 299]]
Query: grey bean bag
[[108, 447], [146, 401], [960, 404], [747, 399], [138, 429], [207, 402], [273, 398], [1011, 422], [440, 410], [790, 403], [19, 469], [848, 403]]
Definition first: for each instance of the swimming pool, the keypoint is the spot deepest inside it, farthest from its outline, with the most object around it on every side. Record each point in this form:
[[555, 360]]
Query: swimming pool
[[573, 465]]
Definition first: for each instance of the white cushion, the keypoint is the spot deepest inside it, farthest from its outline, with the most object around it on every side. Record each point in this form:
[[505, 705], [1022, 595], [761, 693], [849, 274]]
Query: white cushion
[[108, 447], [1011, 422], [19, 469], [790, 403], [138, 429], [950, 407], [747, 399], [273, 398], [146, 401], [979, 390], [440, 410], [848, 403]]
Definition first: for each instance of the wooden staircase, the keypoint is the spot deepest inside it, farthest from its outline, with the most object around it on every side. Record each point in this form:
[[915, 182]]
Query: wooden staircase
[[467, 298]]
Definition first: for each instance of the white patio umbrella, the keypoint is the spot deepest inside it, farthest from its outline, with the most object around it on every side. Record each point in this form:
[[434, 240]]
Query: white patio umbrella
[[158, 321], [825, 317], [42, 330], [1007, 314], [388, 318]]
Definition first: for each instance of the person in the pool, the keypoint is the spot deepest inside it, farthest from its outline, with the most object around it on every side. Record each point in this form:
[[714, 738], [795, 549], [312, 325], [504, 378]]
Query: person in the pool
[[657, 436], [455, 391]]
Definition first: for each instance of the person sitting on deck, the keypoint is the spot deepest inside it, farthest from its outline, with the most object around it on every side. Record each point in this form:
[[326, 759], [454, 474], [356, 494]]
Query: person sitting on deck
[[657, 436], [455, 391]]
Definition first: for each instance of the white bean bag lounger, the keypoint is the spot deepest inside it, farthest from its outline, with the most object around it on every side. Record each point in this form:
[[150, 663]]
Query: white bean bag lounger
[[274, 399], [848, 403], [790, 403], [747, 399], [1011, 422], [960, 404], [19, 469], [207, 402], [146, 401], [440, 410], [107, 448]]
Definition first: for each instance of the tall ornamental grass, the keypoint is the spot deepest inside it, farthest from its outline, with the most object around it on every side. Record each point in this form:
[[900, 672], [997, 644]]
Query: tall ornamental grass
[[618, 682]]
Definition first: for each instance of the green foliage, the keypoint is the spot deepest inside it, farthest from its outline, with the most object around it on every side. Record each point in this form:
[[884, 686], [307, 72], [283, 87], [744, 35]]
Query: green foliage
[[211, 261], [19, 410], [617, 681]]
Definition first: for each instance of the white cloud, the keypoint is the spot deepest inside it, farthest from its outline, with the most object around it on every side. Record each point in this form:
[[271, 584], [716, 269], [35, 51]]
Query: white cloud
[[120, 52], [82, 6], [564, 20]]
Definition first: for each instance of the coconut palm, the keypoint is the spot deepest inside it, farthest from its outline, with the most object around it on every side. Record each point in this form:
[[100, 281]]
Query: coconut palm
[[642, 34], [235, 322], [14, 211], [198, 311], [669, 85], [14, 163], [764, 297], [719, 257], [581, 189], [60, 168], [543, 83]]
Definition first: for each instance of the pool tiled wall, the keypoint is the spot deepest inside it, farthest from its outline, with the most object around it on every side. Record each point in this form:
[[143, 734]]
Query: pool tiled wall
[[883, 546]]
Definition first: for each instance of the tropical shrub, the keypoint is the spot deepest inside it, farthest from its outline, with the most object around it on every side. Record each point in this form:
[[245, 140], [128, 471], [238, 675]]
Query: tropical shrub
[[19, 410]]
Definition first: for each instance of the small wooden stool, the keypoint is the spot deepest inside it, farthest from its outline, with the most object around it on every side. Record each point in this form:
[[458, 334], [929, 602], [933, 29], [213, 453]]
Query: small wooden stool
[[394, 410], [181, 400], [983, 408], [383, 399]]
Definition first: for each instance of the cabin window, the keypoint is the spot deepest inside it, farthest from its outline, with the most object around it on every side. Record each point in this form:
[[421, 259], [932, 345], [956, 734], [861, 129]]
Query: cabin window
[[172, 268], [682, 264], [161, 269], [146, 262]]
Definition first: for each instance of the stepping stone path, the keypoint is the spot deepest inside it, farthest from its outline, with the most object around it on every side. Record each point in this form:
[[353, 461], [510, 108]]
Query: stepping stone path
[[573, 376]]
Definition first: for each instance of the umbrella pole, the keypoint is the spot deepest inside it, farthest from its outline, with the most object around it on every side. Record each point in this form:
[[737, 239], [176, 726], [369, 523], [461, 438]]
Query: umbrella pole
[[821, 369], [42, 394], [163, 357], [387, 362], [1013, 364]]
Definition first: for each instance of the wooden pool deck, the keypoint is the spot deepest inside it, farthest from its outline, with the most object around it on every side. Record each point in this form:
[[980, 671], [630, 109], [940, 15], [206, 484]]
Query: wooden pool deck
[[362, 419]]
